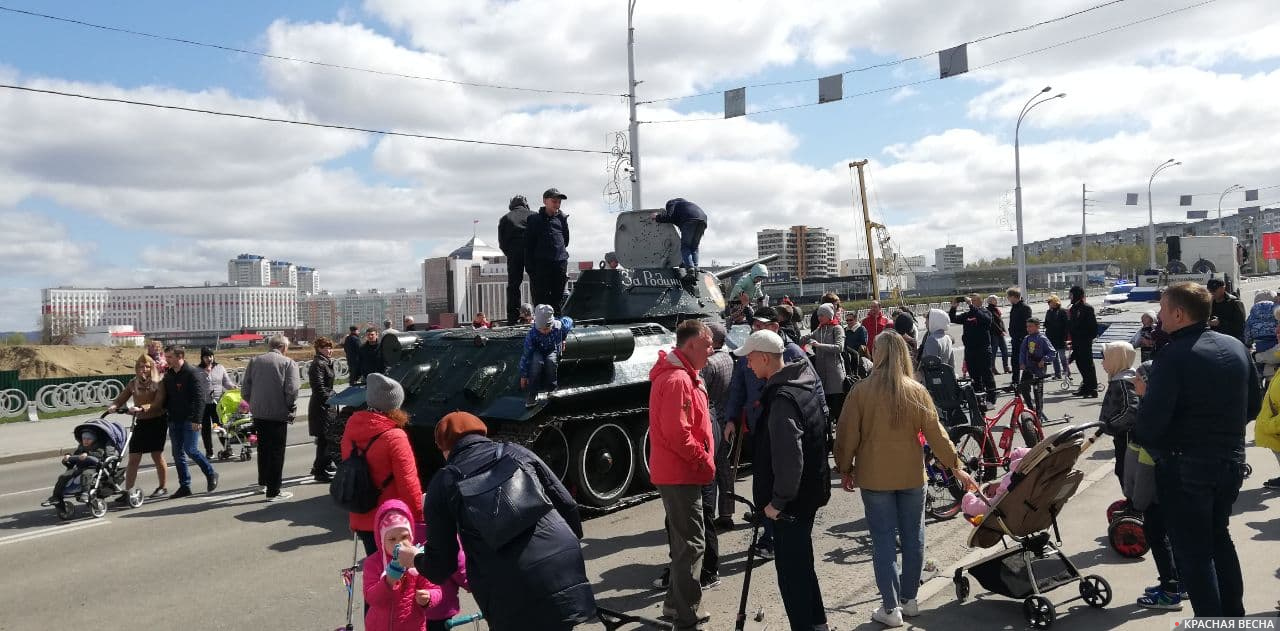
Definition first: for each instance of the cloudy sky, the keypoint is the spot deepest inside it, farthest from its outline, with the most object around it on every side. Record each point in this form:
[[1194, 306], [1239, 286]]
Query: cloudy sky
[[103, 194]]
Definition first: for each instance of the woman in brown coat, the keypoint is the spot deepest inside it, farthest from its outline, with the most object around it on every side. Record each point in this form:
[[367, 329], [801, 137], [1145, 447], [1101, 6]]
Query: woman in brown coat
[[150, 429]]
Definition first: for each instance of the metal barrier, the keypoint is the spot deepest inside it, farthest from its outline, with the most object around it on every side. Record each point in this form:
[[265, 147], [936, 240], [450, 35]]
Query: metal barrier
[[12, 402], [80, 395]]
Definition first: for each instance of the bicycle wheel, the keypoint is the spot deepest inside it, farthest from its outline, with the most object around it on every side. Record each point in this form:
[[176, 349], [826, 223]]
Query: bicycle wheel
[[942, 493], [977, 452], [1032, 432]]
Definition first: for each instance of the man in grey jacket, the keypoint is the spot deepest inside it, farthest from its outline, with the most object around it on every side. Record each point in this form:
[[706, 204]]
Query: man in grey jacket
[[270, 385]]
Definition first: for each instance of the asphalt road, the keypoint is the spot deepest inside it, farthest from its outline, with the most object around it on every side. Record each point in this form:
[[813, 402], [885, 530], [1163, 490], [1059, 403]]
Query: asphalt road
[[232, 561]]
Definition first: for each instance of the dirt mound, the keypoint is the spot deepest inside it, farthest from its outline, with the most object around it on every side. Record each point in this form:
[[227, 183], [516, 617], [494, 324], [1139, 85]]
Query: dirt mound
[[39, 362]]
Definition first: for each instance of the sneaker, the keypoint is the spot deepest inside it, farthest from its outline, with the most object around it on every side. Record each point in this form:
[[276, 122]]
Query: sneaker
[[1161, 599], [1155, 589], [910, 608], [280, 497], [723, 523], [764, 552], [531, 399], [891, 618], [183, 491], [323, 478], [159, 493], [663, 581], [1273, 483], [711, 581], [212, 482]]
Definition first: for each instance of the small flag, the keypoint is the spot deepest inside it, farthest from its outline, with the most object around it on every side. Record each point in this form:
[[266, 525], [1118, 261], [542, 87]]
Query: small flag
[[1185, 200], [1130, 199], [1251, 195], [1248, 210], [735, 102], [831, 88], [953, 61], [1197, 214]]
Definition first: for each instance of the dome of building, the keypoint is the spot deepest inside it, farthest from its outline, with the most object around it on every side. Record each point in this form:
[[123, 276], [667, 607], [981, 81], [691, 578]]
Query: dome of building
[[475, 249]]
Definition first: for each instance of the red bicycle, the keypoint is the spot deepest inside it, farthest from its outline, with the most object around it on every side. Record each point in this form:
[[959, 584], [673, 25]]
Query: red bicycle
[[984, 448]]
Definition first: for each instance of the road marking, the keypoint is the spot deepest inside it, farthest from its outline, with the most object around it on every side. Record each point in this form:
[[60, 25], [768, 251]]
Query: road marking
[[50, 531]]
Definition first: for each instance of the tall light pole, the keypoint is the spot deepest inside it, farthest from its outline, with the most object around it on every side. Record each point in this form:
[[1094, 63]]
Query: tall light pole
[[1151, 221], [1234, 187], [1017, 179], [631, 97]]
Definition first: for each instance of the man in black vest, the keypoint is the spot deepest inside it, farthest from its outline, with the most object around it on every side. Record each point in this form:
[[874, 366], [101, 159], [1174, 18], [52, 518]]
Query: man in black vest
[[1019, 313], [511, 230], [546, 251], [792, 475]]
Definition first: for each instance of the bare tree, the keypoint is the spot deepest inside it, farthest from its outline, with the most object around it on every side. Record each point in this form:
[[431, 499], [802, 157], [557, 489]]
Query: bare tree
[[59, 328]]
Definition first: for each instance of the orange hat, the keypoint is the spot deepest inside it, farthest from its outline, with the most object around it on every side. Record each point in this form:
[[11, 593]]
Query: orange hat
[[455, 425]]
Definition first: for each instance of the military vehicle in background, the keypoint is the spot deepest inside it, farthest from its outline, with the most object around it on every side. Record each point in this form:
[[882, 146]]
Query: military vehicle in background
[[593, 430]]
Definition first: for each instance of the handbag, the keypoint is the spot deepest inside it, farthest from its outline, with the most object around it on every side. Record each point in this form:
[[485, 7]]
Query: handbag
[[503, 500]]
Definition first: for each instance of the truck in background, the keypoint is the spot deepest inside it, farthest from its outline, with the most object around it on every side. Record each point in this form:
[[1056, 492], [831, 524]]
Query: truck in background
[[1195, 259]]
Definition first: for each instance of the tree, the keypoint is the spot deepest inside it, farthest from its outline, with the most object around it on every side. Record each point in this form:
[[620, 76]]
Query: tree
[[14, 339], [59, 328]]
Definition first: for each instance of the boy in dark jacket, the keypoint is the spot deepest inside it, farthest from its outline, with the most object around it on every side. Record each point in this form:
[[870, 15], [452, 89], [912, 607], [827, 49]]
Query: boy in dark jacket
[[93, 450], [540, 362], [1034, 352], [511, 240], [546, 250], [692, 222]]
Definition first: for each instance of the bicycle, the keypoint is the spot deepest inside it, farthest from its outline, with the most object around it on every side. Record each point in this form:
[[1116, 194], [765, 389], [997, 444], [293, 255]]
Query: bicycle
[[979, 448], [943, 492]]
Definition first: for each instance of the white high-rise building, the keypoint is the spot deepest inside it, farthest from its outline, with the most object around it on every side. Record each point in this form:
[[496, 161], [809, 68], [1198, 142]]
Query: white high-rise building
[[283, 274], [331, 314], [248, 270], [175, 312], [803, 251], [308, 280], [948, 259]]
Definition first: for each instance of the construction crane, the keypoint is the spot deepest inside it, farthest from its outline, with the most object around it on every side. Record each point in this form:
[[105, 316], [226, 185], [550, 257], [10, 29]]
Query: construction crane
[[881, 236]]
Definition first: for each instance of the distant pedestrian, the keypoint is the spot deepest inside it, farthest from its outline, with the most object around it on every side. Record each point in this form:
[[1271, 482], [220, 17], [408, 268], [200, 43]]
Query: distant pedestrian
[[829, 298], [937, 343], [386, 327], [611, 262], [371, 360], [481, 321], [1019, 313], [827, 344], [877, 449], [511, 240], [526, 314], [351, 348], [156, 351], [681, 462], [1143, 339], [976, 336], [320, 414], [408, 323], [692, 222], [1201, 395], [1084, 329], [1261, 323], [147, 391], [718, 376], [217, 381], [271, 385], [855, 335], [741, 312], [1228, 312], [546, 251], [792, 478], [540, 360], [997, 335], [184, 396], [1056, 327], [875, 323]]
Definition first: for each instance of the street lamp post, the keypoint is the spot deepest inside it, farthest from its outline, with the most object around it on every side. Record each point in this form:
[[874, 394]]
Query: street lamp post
[[1151, 222], [1017, 179], [1233, 187]]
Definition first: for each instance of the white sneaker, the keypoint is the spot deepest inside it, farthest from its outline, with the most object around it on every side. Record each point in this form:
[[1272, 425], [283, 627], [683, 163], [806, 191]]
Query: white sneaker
[[284, 495], [910, 608], [891, 618]]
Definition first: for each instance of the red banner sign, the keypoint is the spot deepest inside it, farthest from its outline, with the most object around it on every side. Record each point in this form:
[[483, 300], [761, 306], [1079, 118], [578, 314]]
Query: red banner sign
[[1271, 246]]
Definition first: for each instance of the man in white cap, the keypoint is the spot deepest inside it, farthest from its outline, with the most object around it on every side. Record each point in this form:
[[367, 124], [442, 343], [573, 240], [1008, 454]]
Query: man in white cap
[[792, 476]]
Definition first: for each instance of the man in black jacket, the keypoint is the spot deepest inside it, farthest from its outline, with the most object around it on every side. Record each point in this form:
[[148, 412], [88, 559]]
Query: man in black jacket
[[511, 241], [1056, 324], [371, 360], [351, 347], [692, 222], [546, 251], [1228, 312], [1202, 392], [792, 474], [1084, 329], [1019, 313], [976, 336], [184, 396]]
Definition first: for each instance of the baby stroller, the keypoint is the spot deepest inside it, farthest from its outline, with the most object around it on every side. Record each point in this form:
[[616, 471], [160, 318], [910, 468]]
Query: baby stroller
[[98, 482], [235, 427], [1041, 485]]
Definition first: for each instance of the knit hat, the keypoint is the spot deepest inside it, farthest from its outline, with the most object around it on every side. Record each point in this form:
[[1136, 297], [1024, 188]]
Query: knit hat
[[455, 425], [827, 311], [383, 394], [542, 315], [391, 520]]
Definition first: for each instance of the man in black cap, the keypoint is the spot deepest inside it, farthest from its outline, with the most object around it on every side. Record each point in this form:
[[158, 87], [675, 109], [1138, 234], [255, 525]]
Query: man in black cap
[[546, 251], [1228, 312], [511, 240]]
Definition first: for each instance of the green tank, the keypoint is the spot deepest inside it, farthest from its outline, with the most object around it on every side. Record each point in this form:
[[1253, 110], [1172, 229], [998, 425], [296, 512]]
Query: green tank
[[593, 429]]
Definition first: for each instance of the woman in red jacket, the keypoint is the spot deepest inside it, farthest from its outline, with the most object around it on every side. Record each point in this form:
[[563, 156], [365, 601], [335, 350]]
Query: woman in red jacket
[[379, 431]]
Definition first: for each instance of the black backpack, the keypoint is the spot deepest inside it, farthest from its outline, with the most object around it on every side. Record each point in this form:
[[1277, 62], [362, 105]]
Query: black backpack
[[352, 487]]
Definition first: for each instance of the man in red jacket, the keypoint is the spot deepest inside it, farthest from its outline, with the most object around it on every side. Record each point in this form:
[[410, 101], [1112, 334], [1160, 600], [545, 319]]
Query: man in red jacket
[[681, 462], [875, 323]]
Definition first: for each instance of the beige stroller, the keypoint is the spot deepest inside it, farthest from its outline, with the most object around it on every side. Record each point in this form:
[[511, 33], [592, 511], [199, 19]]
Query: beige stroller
[[1043, 482]]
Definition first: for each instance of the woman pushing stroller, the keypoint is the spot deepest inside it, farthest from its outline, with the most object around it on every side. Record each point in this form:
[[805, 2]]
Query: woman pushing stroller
[[150, 429]]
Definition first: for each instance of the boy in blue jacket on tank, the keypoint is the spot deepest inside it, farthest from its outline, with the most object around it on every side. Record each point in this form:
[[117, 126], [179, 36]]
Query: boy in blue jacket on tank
[[539, 364]]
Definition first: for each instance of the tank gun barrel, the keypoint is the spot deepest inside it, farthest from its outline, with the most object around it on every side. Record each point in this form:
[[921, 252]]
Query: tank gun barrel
[[742, 267]]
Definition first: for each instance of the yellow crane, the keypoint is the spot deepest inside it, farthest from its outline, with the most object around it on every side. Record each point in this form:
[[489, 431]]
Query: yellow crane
[[881, 235]]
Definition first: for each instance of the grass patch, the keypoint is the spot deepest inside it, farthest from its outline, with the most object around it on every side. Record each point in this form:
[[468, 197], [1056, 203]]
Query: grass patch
[[50, 415]]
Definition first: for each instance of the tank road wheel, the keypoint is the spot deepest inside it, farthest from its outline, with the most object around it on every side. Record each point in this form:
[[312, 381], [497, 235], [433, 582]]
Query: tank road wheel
[[640, 447], [602, 463], [553, 447]]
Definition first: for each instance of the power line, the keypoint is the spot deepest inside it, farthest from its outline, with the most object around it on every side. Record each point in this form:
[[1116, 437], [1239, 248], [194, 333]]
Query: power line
[[312, 62], [895, 62], [286, 121], [932, 79]]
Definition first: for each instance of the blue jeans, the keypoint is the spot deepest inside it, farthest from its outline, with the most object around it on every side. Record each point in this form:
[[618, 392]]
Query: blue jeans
[[690, 239], [999, 344], [186, 442], [1060, 363], [894, 515], [1195, 495], [544, 372]]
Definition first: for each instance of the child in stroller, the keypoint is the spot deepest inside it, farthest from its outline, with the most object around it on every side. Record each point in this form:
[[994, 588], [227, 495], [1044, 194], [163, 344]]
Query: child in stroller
[[975, 503], [235, 426], [93, 470]]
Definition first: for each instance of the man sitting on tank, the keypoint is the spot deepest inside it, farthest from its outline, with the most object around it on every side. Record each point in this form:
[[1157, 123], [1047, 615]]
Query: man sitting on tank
[[539, 364]]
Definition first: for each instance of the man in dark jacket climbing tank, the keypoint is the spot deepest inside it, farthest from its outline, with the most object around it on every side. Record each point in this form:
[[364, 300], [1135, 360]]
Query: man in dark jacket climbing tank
[[692, 222], [546, 253], [511, 241]]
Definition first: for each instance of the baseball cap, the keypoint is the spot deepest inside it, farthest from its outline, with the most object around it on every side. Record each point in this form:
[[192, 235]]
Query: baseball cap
[[761, 341], [1033, 320], [554, 193], [1214, 283], [766, 314]]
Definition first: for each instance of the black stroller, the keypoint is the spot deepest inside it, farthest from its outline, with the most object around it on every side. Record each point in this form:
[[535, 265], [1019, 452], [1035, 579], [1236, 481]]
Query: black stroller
[[955, 399], [99, 482]]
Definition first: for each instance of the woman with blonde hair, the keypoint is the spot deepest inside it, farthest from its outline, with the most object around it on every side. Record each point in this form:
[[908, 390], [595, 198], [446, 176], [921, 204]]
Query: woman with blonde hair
[[150, 429], [878, 449]]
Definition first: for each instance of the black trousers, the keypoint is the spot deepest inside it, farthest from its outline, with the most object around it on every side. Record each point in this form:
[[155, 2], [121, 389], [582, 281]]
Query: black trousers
[[324, 457], [1197, 494], [547, 280], [1015, 347], [979, 362], [1082, 354], [207, 420], [797, 579], [271, 439], [515, 276]]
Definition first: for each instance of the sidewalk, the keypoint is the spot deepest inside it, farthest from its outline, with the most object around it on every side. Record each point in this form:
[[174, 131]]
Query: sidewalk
[[1255, 527], [35, 440]]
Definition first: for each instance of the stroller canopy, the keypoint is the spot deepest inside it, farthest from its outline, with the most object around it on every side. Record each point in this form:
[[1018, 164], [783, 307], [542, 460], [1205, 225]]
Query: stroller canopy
[[112, 431], [228, 405]]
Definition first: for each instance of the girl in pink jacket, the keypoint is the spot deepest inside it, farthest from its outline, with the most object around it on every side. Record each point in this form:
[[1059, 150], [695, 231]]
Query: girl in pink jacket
[[400, 599]]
